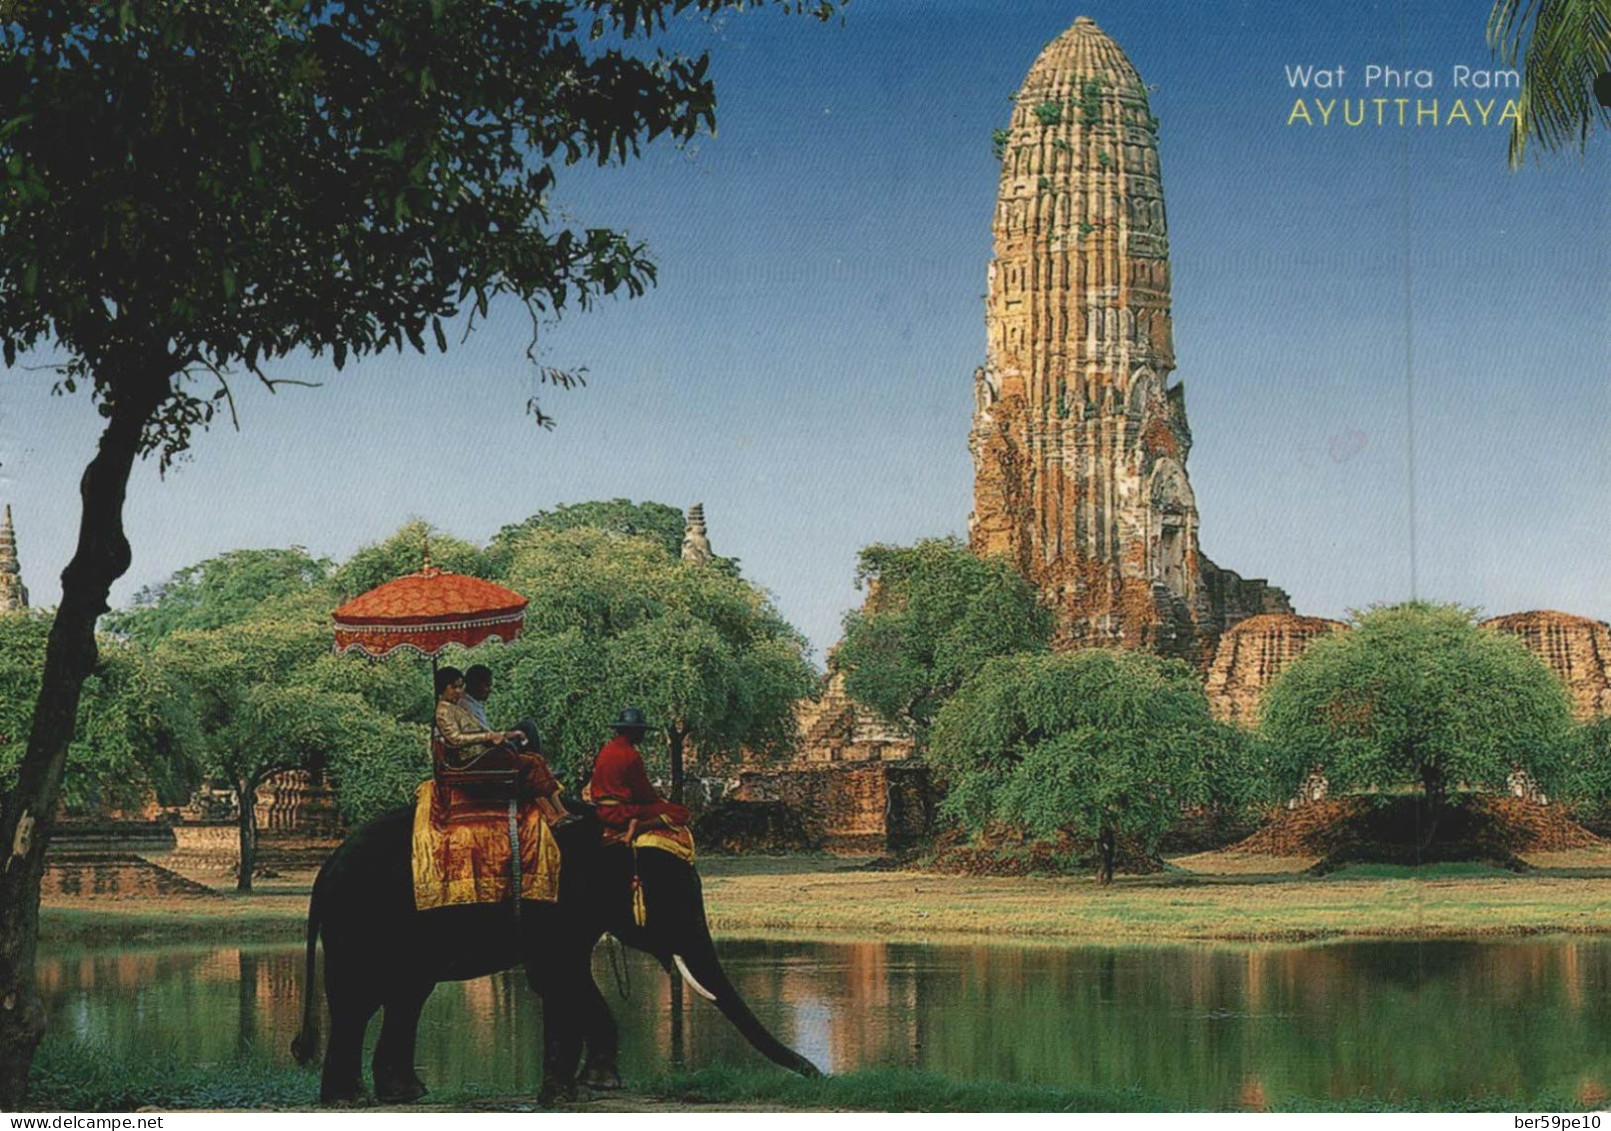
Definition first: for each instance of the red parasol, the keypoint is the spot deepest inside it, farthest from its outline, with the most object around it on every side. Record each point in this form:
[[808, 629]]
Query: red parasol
[[426, 611]]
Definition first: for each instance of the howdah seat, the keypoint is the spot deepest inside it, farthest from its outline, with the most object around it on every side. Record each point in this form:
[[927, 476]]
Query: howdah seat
[[475, 792]]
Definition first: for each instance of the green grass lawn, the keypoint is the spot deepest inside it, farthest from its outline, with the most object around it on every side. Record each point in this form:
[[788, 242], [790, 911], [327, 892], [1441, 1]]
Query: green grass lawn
[[1364, 901], [1445, 871], [820, 897], [126, 922]]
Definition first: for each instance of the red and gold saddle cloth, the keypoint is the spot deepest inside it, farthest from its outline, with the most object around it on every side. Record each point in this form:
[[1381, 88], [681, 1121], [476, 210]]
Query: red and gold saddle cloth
[[467, 860], [675, 839]]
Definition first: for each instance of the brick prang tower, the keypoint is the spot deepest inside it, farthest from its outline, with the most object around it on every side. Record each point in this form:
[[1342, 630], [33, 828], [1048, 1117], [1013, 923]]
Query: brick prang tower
[[1079, 437], [13, 594]]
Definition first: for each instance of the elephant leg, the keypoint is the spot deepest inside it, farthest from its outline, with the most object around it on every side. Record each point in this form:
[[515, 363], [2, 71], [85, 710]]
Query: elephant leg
[[343, 1081], [557, 982], [598, 1031], [396, 1082]]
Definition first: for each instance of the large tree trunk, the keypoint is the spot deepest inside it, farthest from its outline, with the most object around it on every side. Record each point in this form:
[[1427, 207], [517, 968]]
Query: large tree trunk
[[675, 736], [101, 557], [1435, 788], [1107, 845], [246, 801]]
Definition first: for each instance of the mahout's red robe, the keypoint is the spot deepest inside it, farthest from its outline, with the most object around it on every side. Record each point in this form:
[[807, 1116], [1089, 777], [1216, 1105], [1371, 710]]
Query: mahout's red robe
[[621, 789]]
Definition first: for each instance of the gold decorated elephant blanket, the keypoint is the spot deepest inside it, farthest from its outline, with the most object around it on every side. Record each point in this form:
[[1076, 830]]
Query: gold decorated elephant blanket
[[467, 861]]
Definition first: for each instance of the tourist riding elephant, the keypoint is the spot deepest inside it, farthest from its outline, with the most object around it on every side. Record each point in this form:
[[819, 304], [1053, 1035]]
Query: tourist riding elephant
[[380, 953]]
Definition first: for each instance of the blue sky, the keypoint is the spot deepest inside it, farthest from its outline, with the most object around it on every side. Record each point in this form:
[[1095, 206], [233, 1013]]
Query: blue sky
[[804, 367]]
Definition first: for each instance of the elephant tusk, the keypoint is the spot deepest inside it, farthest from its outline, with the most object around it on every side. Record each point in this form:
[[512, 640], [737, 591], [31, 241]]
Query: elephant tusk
[[682, 968]]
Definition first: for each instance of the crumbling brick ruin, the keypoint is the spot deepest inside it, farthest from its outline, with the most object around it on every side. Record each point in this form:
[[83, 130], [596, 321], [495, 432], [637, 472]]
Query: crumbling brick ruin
[[297, 802], [13, 594], [852, 784], [1249, 657], [1577, 649], [851, 807], [835, 728], [1079, 440]]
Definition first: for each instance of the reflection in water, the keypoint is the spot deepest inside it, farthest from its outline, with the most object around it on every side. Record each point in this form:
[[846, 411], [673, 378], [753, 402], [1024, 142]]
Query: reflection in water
[[1203, 1027]]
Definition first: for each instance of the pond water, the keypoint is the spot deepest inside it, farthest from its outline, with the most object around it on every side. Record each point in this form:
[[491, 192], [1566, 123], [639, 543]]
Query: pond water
[[1206, 1027]]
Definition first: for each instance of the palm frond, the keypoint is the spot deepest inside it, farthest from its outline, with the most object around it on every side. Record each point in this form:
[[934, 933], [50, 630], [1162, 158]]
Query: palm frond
[[1561, 46]]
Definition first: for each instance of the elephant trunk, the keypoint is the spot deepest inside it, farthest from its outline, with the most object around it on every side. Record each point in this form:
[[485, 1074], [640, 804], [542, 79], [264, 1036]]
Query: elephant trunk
[[703, 971]]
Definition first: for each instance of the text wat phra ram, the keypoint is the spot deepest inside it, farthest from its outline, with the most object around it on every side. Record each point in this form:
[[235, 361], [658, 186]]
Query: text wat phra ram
[[1080, 437]]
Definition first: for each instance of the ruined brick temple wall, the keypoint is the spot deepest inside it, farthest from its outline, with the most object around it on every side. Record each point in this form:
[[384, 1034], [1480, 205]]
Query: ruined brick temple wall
[[297, 802], [69, 876], [1577, 649], [852, 784], [850, 808], [834, 728], [297, 822], [1251, 655], [108, 858]]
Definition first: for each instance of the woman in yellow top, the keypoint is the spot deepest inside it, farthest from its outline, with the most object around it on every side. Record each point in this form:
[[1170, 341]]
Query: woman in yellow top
[[466, 743]]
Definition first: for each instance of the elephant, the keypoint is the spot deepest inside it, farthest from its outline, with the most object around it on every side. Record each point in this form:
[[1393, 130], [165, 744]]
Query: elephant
[[382, 954]]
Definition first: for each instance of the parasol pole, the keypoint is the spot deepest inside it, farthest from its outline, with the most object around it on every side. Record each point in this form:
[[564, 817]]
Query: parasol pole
[[430, 731]]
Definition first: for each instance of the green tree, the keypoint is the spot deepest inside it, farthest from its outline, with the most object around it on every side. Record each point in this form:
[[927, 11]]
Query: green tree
[[134, 736], [404, 552], [222, 590], [287, 595], [267, 696], [1587, 780], [1099, 743], [616, 619], [188, 187], [1562, 47], [251, 722], [398, 687], [1416, 694], [248, 656], [935, 613], [664, 524], [129, 738], [375, 763], [382, 753]]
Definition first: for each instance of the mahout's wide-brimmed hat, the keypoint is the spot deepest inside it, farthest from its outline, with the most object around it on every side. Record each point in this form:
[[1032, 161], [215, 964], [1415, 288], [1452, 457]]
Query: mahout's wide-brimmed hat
[[630, 718]]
